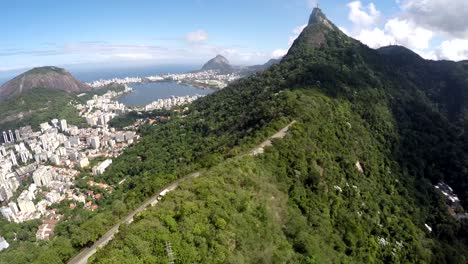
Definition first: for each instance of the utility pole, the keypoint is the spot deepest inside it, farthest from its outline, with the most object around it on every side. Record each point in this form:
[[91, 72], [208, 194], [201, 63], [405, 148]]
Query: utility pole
[[170, 254]]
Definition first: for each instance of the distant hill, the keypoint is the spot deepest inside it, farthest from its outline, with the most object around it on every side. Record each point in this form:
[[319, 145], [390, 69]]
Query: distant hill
[[218, 63], [262, 67], [44, 77]]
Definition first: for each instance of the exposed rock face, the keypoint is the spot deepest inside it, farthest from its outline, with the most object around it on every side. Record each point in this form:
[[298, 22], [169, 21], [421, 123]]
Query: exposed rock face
[[218, 63], [45, 77], [319, 33], [317, 17]]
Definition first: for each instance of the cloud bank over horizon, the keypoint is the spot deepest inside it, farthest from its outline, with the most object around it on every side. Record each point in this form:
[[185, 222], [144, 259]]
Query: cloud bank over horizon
[[432, 28]]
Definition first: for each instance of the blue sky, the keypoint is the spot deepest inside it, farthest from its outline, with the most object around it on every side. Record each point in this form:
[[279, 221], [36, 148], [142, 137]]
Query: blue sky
[[121, 32]]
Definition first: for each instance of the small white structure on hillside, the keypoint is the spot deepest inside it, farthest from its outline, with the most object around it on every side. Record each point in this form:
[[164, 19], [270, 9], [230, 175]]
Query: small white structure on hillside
[[3, 244]]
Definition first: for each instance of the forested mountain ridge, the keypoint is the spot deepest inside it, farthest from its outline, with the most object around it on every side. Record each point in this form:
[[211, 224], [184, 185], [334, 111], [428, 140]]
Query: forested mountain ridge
[[428, 99], [352, 182]]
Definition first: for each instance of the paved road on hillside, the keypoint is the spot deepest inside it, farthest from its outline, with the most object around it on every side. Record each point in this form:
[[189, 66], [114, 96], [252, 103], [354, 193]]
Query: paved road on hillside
[[85, 254], [280, 134]]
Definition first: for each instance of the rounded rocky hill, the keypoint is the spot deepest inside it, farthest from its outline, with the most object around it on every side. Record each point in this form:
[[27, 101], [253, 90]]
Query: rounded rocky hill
[[45, 77], [218, 63]]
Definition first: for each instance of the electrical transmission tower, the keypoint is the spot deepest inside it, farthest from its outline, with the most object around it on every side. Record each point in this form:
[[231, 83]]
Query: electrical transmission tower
[[170, 254]]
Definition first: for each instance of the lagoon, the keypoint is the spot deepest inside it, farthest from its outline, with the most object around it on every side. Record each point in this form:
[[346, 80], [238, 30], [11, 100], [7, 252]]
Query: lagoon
[[146, 93]]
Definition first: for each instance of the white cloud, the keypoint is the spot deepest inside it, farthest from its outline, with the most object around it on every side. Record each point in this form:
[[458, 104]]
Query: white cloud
[[361, 17], [396, 30], [438, 15], [427, 54], [115, 51], [456, 49], [408, 34], [198, 36], [375, 38], [279, 53]]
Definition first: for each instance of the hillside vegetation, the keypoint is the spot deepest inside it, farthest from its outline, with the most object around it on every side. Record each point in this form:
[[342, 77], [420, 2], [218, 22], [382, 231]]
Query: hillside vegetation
[[305, 200], [352, 182], [37, 106], [44, 104]]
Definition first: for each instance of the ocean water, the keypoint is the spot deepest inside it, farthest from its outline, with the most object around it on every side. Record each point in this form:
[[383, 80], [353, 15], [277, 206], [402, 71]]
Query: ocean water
[[146, 93], [90, 73], [97, 73], [143, 93]]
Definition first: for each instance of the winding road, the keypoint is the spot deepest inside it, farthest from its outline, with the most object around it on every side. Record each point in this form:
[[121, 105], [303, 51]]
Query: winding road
[[86, 253]]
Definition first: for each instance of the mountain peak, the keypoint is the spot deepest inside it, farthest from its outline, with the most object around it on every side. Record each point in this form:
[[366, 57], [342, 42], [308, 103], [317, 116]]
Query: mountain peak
[[318, 17], [218, 63], [42, 77], [220, 57]]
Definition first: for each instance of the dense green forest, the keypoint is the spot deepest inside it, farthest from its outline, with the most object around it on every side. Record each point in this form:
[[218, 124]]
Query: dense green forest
[[304, 201], [402, 123], [401, 118]]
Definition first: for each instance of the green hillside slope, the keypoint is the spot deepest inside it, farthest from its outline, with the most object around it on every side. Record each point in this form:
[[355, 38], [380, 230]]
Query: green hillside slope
[[37, 106], [403, 124], [400, 118]]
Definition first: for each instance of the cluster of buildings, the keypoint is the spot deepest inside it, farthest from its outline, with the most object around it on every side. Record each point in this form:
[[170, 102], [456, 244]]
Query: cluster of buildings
[[44, 164], [126, 80], [50, 185], [204, 79], [101, 109], [171, 102], [453, 202], [201, 79]]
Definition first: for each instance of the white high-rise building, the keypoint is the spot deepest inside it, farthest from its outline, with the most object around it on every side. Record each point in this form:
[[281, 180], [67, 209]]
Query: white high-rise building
[[63, 125], [54, 122], [83, 162], [13, 207], [94, 141], [25, 203], [7, 213], [55, 159], [13, 158], [5, 137], [42, 176], [12, 138], [17, 135], [102, 167], [26, 206]]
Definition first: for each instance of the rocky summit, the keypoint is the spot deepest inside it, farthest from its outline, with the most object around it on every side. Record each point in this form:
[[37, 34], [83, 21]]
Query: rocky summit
[[218, 63], [43, 77]]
